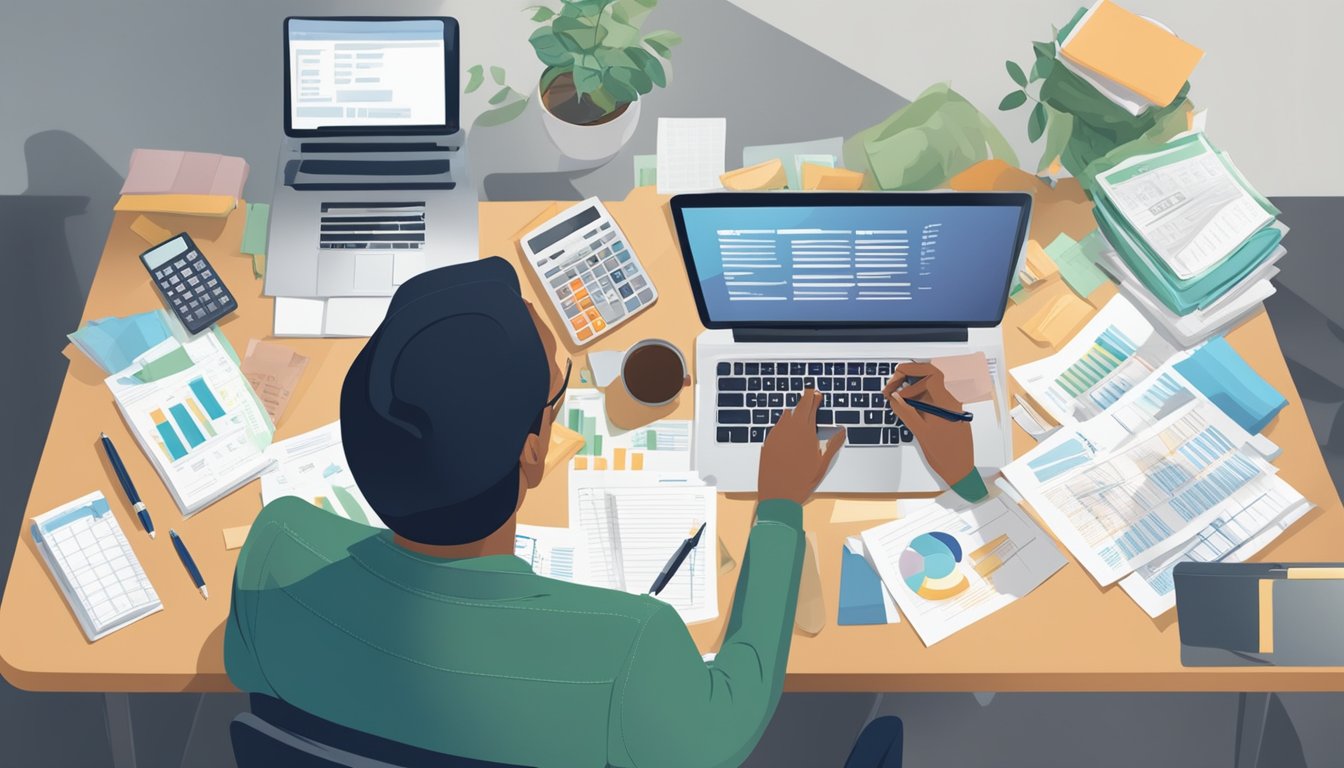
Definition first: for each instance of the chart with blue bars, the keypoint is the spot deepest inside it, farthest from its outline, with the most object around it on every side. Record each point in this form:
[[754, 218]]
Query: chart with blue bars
[[1107, 353]]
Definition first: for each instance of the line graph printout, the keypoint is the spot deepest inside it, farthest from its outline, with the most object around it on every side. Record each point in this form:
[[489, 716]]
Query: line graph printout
[[1119, 501]]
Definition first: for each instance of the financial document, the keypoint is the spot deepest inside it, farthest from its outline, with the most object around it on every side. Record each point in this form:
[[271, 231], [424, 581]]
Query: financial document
[[950, 563], [1236, 534], [1118, 498], [312, 466], [1187, 204], [196, 417], [1117, 349], [663, 446], [631, 523], [555, 553]]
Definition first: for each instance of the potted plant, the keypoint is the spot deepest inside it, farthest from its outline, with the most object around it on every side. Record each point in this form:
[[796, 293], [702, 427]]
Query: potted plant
[[598, 65]]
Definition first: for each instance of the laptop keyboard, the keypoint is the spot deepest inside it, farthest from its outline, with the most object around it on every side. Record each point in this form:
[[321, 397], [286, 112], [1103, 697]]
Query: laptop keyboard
[[751, 396], [380, 226]]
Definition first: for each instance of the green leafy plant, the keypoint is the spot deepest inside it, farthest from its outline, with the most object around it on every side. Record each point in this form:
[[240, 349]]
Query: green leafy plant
[[598, 61], [1042, 119]]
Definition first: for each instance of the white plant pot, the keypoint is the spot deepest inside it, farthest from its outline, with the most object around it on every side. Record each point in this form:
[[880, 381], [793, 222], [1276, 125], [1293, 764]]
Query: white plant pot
[[590, 142]]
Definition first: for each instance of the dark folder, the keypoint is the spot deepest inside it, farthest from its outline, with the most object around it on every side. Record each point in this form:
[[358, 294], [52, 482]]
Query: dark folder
[[1247, 614]]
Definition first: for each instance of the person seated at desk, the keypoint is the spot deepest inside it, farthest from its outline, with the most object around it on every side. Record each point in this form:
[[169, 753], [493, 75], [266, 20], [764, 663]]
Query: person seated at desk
[[434, 634]]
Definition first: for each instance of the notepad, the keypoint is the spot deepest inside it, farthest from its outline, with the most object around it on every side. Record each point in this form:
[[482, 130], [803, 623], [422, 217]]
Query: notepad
[[94, 565], [690, 154], [632, 522]]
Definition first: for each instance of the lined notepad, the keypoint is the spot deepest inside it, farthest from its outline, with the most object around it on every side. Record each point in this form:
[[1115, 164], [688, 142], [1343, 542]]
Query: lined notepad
[[94, 565]]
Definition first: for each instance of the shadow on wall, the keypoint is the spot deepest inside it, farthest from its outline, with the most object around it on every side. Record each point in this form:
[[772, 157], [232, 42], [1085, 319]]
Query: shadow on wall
[[51, 237]]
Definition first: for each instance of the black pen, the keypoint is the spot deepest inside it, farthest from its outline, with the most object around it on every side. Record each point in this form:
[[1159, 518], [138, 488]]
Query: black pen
[[676, 560], [941, 413], [124, 478]]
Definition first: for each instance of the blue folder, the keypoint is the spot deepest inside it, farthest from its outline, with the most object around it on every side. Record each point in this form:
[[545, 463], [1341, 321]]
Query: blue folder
[[860, 591], [1225, 378]]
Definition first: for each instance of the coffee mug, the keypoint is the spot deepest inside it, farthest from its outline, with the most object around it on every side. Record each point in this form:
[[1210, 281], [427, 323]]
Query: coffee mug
[[653, 372]]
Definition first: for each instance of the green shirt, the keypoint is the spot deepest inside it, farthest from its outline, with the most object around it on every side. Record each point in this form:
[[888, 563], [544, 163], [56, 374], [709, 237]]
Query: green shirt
[[482, 658]]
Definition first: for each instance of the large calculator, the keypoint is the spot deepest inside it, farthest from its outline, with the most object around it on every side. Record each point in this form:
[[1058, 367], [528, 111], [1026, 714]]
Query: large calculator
[[589, 272], [188, 283]]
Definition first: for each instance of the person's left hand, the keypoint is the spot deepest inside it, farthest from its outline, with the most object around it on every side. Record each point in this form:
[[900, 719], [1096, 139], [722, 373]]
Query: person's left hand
[[792, 462]]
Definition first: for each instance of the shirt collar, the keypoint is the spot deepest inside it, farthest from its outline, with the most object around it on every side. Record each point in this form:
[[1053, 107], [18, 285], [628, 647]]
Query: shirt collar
[[382, 553]]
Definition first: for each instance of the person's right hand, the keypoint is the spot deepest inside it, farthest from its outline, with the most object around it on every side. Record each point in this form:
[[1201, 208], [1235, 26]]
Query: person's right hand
[[792, 462], [947, 444]]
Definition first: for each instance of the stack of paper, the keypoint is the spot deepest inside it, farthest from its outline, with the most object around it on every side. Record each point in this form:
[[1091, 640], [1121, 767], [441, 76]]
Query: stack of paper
[[195, 416], [1168, 472], [1132, 61], [164, 181], [953, 563], [1189, 232]]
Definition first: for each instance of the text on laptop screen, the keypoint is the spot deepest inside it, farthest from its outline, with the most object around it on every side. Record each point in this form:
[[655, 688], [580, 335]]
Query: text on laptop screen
[[854, 264], [367, 74]]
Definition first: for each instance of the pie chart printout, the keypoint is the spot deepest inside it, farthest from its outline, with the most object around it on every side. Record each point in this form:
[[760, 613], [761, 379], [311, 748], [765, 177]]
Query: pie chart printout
[[929, 566]]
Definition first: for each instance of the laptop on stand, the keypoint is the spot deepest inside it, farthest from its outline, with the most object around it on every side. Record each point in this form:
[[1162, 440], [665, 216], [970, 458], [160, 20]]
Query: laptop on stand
[[833, 290], [372, 186]]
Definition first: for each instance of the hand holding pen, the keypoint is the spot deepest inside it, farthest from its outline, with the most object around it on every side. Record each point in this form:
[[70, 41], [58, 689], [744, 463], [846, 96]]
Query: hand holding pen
[[945, 439]]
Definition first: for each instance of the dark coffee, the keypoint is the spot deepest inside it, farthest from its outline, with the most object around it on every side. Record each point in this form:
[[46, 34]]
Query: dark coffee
[[653, 374]]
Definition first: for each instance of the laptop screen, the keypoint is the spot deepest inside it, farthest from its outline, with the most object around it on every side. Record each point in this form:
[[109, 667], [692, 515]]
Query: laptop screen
[[863, 260], [370, 76]]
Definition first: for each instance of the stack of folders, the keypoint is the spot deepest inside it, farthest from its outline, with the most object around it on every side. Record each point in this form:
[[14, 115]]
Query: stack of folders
[[1158, 461], [1192, 243], [1134, 62]]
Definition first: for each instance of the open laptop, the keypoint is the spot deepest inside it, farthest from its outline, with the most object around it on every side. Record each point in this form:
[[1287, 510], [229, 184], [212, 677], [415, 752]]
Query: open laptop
[[372, 186], [834, 289]]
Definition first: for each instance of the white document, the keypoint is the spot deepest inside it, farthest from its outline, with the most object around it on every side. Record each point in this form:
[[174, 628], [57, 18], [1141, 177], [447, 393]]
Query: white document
[[691, 154], [1116, 350], [663, 446], [312, 466], [1236, 534], [953, 563], [1118, 497], [556, 553], [633, 522], [1186, 203], [299, 317], [355, 316], [87, 553], [198, 419]]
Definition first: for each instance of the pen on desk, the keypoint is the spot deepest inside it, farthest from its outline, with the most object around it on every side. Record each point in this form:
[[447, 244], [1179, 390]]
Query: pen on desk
[[190, 564], [941, 413], [673, 563], [126, 485]]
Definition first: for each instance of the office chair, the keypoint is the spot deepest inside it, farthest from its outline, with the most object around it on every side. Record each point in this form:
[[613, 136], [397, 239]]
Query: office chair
[[276, 733]]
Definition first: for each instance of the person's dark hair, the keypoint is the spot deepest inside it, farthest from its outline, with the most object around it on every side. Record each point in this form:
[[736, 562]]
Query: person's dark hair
[[436, 407]]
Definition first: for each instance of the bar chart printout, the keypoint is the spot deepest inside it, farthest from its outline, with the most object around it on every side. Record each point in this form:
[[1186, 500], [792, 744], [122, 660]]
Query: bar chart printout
[[1119, 508], [663, 446]]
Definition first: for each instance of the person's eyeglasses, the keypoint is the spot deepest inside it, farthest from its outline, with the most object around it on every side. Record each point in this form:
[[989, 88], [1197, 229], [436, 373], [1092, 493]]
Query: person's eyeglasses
[[564, 386]]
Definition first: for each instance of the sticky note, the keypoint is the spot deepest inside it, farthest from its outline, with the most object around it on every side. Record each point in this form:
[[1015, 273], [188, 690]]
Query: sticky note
[[1057, 320], [234, 537], [820, 177], [646, 170], [767, 175], [254, 231], [1075, 266], [1038, 264], [827, 161], [149, 231], [857, 510]]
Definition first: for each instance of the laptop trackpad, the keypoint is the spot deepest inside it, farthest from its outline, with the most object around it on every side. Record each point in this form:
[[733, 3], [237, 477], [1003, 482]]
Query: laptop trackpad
[[373, 271]]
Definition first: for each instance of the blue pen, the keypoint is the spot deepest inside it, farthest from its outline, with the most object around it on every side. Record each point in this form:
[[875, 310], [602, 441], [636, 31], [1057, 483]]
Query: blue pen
[[126, 485], [943, 413], [188, 563]]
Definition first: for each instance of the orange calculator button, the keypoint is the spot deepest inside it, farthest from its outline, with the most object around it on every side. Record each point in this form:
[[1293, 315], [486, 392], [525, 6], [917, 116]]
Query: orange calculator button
[[576, 284], [585, 333], [586, 303], [579, 322]]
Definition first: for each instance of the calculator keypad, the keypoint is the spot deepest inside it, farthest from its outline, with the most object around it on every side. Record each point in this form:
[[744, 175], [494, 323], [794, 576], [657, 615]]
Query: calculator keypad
[[193, 290], [597, 285]]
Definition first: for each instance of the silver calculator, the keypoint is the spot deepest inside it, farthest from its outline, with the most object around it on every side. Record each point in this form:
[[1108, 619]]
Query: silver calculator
[[585, 264], [188, 284]]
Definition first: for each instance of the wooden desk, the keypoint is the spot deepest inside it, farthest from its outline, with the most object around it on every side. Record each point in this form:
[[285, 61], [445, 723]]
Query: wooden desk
[[1068, 635]]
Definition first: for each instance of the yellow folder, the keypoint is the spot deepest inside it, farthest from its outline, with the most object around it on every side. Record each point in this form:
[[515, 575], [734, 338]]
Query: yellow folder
[[821, 177], [193, 205], [1133, 52], [767, 175]]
